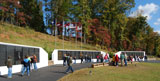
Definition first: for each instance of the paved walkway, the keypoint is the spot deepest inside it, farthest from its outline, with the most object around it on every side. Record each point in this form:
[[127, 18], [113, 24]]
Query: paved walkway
[[153, 61], [50, 73]]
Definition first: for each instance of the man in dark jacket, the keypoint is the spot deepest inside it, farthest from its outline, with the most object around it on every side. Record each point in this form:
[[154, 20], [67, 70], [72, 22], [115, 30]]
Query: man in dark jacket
[[9, 66], [69, 65]]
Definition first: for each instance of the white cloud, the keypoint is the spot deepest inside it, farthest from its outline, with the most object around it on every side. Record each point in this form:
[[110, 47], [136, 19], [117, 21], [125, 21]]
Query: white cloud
[[157, 22], [158, 31], [146, 10]]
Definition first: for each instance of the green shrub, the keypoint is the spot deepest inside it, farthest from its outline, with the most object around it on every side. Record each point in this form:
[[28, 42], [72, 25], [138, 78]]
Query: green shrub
[[111, 54]]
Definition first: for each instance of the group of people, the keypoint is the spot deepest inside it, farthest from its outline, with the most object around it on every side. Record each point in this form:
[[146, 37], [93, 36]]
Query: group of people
[[101, 58], [122, 59], [28, 62]]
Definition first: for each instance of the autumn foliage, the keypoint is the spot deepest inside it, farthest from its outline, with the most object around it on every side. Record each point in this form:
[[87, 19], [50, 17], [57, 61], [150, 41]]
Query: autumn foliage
[[99, 34]]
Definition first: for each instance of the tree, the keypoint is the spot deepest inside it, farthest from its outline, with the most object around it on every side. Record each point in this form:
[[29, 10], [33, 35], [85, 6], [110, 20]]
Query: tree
[[9, 12], [34, 14], [113, 14], [99, 35]]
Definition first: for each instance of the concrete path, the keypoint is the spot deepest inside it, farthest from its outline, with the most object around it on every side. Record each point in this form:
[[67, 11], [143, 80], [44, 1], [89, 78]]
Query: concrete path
[[50, 73], [153, 61]]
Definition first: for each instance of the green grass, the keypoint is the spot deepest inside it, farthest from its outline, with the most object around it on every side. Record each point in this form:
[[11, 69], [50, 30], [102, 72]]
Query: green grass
[[140, 72], [26, 36]]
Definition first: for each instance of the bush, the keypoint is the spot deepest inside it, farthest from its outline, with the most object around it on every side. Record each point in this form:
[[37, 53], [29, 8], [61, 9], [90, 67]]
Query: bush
[[111, 54]]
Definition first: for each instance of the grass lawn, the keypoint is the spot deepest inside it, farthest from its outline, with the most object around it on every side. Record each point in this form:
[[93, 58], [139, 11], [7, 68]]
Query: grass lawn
[[26, 36], [140, 72]]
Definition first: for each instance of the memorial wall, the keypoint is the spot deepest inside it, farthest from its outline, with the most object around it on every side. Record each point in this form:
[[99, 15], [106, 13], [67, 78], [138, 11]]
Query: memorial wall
[[17, 53], [77, 54], [58, 54]]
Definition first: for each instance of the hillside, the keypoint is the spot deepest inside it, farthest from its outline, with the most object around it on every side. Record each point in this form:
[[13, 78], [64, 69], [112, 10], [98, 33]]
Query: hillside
[[26, 36]]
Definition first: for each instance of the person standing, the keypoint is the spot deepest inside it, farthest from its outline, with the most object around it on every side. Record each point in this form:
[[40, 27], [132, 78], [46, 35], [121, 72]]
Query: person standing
[[113, 60], [125, 59], [145, 58], [86, 58], [116, 59], [97, 58], [64, 60], [81, 57], [34, 62], [101, 57], [70, 65], [9, 66], [26, 66], [122, 59], [106, 58], [29, 63], [130, 58], [74, 59]]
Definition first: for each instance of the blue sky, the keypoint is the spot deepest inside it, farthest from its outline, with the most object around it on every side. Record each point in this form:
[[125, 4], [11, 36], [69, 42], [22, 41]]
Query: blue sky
[[149, 8]]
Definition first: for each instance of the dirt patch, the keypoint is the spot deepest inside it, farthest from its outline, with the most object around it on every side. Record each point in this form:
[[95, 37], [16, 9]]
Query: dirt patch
[[3, 36]]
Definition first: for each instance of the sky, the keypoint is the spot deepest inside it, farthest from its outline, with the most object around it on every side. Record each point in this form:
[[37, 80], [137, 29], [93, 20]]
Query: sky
[[149, 8]]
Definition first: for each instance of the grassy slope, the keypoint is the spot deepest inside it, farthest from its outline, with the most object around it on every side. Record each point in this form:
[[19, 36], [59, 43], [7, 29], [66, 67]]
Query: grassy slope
[[141, 72], [26, 36]]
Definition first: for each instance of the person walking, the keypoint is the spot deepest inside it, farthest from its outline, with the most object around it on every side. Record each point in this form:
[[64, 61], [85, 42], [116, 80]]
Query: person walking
[[26, 66], [9, 66], [69, 65]]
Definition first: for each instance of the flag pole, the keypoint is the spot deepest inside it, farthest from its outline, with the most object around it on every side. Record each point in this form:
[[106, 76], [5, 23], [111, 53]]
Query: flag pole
[[63, 33], [81, 37], [55, 33], [76, 35]]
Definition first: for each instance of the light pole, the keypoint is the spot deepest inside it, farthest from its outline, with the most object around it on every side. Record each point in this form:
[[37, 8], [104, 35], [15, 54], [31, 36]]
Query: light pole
[[54, 33]]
